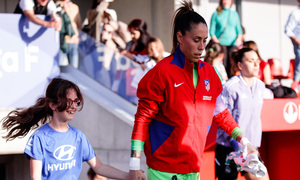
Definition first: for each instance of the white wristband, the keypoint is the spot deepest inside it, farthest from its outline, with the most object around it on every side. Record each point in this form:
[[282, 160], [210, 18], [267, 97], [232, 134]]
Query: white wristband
[[134, 163], [245, 141]]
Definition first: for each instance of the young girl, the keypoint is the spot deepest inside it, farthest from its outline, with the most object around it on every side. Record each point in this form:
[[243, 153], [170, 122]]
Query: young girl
[[214, 56], [56, 150], [156, 52]]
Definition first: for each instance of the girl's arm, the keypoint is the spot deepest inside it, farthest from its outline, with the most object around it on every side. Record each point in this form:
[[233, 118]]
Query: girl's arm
[[35, 169], [106, 170]]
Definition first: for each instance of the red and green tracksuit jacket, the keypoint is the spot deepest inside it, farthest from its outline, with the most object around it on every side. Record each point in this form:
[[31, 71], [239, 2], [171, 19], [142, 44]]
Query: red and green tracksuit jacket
[[173, 117]]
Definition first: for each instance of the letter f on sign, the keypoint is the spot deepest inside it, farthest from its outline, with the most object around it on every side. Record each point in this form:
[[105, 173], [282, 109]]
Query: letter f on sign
[[30, 59]]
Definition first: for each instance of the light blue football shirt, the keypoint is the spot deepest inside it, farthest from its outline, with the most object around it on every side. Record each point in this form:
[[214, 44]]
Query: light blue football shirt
[[61, 153]]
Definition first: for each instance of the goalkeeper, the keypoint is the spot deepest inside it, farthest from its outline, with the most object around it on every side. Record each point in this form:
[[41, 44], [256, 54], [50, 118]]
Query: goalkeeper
[[178, 100]]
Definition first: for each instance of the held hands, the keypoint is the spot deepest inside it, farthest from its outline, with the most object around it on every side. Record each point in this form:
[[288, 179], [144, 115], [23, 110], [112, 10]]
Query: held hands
[[135, 172], [137, 175]]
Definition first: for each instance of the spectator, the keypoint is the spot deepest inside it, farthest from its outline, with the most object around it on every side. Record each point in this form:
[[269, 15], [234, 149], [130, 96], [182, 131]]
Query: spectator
[[156, 49], [214, 56], [70, 40], [140, 37], [136, 47], [243, 96], [46, 7], [264, 67], [225, 28], [56, 143], [104, 27], [171, 119], [156, 52], [292, 30]]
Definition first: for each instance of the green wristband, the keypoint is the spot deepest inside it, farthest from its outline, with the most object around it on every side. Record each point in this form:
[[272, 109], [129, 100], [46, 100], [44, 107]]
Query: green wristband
[[137, 145], [236, 132]]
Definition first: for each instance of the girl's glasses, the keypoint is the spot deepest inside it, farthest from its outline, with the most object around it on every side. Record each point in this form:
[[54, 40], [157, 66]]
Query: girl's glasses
[[76, 101]]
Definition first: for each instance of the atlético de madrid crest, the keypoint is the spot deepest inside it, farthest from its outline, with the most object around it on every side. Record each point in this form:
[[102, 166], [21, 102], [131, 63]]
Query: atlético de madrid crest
[[207, 84]]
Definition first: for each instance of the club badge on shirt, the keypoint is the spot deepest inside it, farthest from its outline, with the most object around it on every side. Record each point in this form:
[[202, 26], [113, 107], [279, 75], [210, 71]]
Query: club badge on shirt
[[207, 84]]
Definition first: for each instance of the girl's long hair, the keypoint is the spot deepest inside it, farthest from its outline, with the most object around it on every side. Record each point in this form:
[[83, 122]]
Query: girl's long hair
[[19, 122], [183, 19]]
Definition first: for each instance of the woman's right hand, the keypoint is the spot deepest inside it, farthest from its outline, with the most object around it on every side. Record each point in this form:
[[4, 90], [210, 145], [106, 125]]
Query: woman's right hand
[[137, 175]]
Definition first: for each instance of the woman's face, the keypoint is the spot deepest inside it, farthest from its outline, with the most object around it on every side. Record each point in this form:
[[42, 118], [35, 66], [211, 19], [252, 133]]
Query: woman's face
[[193, 42], [135, 34], [250, 64], [226, 3]]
